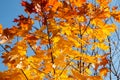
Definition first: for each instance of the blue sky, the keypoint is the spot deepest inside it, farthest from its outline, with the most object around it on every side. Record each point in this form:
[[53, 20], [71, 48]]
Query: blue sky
[[9, 9]]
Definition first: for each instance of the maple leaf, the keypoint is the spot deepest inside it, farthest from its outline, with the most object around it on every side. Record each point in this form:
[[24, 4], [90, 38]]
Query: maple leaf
[[21, 48], [95, 78], [52, 2], [1, 29], [114, 7], [24, 25], [77, 75], [8, 75], [77, 3], [102, 46], [29, 7], [104, 3], [56, 39], [116, 15], [3, 39], [103, 61], [3, 35], [104, 71]]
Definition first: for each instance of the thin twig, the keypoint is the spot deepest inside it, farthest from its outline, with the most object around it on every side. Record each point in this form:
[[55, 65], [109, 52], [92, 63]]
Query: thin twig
[[4, 48], [24, 74], [67, 65]]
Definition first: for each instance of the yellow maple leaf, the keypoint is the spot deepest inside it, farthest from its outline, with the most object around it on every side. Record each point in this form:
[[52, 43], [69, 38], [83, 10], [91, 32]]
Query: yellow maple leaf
[[56, 39], [81, 18], [102, 46], [88, 71], [107, 29], [75, 42], [103, 3], [78, 3], [66, 29], [21, 48]]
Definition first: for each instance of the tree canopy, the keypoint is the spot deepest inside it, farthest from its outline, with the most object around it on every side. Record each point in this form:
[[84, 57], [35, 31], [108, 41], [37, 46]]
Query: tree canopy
[[69, 40]]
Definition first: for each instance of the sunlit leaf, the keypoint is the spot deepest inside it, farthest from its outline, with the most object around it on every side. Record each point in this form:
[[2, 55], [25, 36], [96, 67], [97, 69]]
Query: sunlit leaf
[[104, 71], [1, 29]]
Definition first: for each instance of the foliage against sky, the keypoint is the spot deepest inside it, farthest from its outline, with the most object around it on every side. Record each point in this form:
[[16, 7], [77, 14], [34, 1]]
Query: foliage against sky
[[71, 41]]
